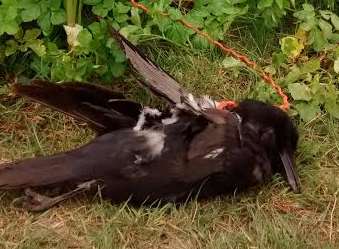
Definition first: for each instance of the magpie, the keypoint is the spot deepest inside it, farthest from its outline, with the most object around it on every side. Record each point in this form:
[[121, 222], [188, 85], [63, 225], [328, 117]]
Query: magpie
[[143, 154]]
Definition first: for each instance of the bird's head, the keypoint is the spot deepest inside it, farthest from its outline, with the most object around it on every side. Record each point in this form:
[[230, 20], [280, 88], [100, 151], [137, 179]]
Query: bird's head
[[277, 134]]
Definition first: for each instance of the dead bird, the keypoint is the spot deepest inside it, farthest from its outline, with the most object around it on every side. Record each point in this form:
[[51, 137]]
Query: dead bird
[[147, 155]]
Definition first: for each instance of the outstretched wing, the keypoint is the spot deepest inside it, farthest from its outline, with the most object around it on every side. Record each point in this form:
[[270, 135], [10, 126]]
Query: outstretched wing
[[104, 110], [154, 77]]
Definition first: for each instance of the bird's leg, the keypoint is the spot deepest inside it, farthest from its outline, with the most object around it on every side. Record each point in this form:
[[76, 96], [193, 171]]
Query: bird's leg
[[34, 201]]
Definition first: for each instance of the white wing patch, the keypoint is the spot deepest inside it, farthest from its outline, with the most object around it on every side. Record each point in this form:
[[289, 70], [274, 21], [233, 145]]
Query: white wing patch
[[173, 119], [214, 153], [142, 117], [155, 141]]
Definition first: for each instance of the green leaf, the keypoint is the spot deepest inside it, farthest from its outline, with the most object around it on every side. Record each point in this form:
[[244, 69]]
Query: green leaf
[[100, 10], [311, 66], [326, 14], [307, 111], [11, 47], [326, 28], [31, 34], [175, 14], [280, 4], [317, 39], [92, 2], [117, 69], [31, 13], [44, 22], [10, 27], [84, 38], [58, 17], [177, 33], [300, 91], [262, 4], [121, 8], [293, 75], [291, 46], [38, 47], [336, 66], [128, 30], [230, 62], [135, 17], [55, 4], [278, 59], [335, 21]]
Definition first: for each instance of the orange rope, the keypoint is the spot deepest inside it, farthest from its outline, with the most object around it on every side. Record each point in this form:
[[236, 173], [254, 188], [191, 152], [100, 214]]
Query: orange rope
[[227, 50]]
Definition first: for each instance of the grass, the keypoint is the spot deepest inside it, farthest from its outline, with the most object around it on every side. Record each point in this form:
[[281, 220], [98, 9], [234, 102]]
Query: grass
[[265, 217]]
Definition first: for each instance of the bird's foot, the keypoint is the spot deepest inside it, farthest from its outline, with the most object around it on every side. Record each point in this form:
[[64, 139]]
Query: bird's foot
[[36, 202]]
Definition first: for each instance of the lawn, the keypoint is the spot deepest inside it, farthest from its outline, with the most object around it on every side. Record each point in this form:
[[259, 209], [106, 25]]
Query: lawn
[[268, 216]]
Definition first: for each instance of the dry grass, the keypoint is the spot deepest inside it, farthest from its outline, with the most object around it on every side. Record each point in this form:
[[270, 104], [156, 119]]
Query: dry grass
[[266, 217]]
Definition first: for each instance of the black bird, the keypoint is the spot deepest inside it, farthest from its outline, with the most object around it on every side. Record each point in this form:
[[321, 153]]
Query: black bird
[[144, 155]]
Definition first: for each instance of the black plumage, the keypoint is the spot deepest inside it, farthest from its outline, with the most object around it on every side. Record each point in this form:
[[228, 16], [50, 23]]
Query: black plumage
[[146, 155]]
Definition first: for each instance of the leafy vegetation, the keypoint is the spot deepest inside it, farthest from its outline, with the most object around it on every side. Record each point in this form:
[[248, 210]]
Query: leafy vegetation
[[296, 43], [65, 40]]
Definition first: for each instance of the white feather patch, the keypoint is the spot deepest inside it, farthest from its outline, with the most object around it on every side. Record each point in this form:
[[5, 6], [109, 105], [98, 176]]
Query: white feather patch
[[155, 141], [142, 117], [173, 119], [214, 153]]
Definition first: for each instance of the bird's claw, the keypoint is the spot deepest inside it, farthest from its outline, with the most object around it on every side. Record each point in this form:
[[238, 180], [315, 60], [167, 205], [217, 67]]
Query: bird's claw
[[34, 201]]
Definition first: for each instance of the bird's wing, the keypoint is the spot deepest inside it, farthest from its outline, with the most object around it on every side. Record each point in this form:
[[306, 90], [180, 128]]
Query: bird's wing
[[104, 110], [154, 77]]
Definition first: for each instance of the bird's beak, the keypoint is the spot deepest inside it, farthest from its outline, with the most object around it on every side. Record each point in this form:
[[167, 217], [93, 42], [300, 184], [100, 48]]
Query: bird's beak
[[292, 176]]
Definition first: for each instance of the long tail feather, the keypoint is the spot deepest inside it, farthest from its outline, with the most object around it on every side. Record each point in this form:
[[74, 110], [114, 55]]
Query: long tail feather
[[42, 171], [155, 78], [102, 109]]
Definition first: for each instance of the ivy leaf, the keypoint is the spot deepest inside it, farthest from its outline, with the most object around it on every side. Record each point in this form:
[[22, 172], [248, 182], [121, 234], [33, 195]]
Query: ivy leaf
[[300, 91], [307, 111], [58, 17], [291, 46], [262, 4]]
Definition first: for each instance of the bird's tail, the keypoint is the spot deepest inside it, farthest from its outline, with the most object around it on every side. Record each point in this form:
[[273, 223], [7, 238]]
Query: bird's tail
[[104, 110], [154, 77], [43, 171]]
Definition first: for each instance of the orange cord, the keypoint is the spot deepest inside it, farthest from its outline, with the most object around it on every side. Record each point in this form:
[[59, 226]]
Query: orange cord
[[227, 50]]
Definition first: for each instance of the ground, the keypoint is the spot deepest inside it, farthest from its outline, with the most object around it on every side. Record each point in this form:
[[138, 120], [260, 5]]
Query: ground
[[268, 216]]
